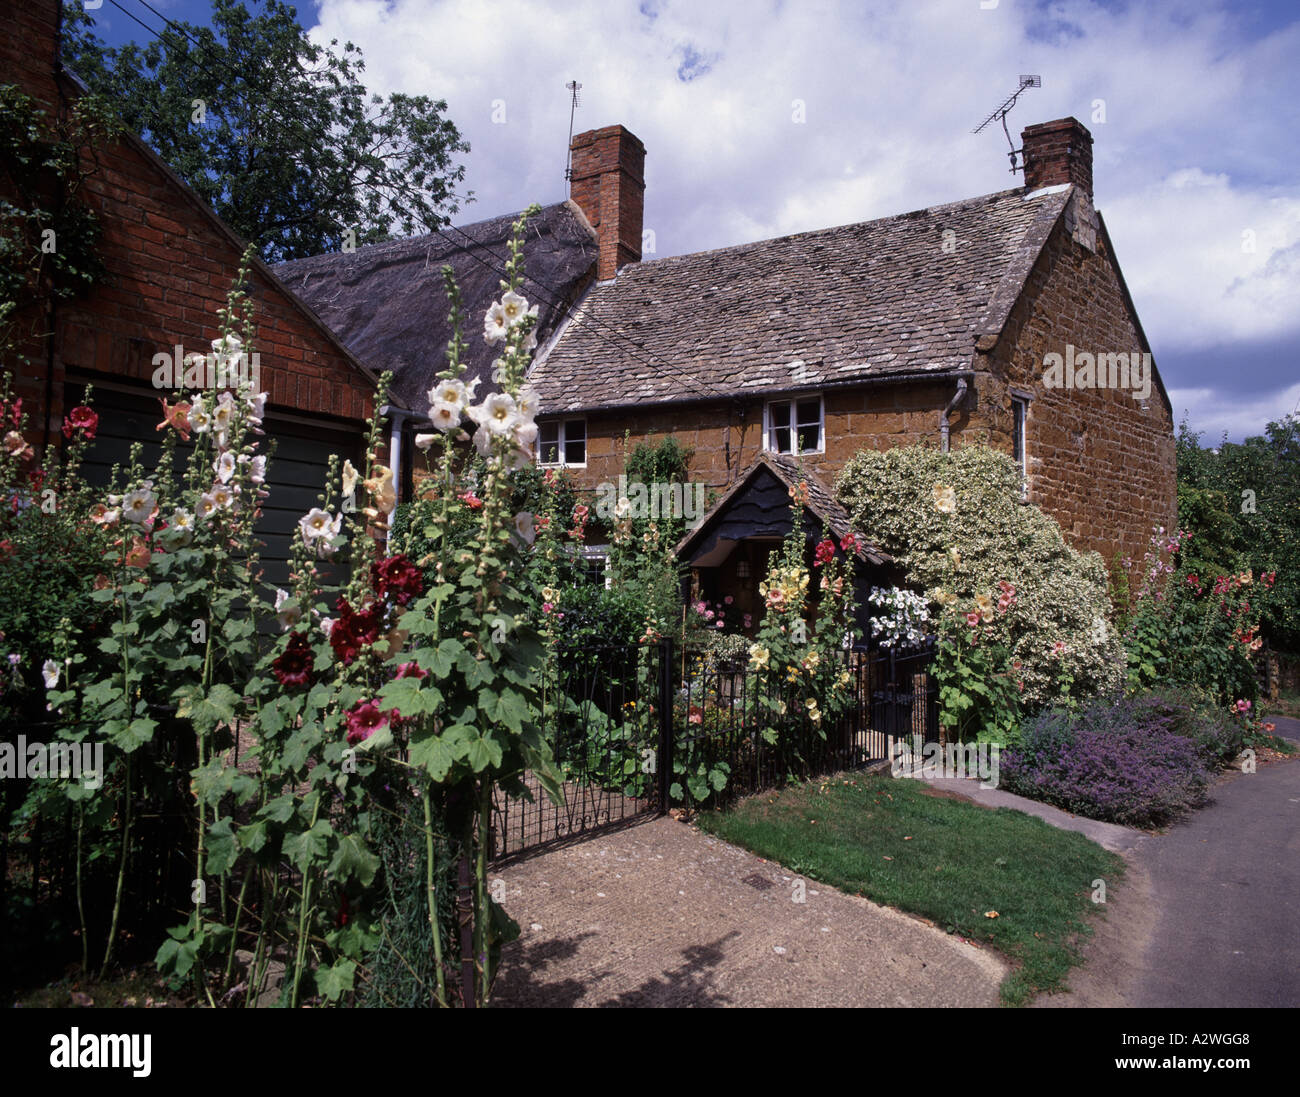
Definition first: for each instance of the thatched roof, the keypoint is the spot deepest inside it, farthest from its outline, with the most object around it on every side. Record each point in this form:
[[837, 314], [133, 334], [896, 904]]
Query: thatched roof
[[386, 302]]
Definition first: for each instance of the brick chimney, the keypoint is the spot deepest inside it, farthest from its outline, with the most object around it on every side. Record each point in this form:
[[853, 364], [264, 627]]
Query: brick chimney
[[607, 181], [1058, 152]]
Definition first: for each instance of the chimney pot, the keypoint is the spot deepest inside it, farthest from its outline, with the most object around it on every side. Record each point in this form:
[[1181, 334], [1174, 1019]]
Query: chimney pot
[[1058, 152], [607, 181]]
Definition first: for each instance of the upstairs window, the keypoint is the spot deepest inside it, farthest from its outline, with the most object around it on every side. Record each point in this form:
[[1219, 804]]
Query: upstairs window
[[795, 426], [562, 442]]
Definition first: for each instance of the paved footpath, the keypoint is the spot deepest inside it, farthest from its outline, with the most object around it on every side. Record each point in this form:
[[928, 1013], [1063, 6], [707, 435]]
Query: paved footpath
[[660, 914], [1209, 913]]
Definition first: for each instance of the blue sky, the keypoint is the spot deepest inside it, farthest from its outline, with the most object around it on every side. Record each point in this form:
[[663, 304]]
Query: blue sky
[[1193, 111]]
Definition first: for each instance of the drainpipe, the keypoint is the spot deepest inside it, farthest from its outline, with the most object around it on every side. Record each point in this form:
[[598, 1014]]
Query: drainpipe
[[396, 417], [957, 398]]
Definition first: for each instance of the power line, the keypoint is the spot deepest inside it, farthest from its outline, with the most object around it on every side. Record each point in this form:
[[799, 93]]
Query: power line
[[574, 312]]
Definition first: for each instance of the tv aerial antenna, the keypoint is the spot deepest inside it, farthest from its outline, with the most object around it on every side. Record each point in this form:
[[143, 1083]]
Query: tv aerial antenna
[[1000, 114], [575, 101]]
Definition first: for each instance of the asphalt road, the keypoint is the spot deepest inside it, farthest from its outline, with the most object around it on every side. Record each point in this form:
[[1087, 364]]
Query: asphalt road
[[1210, 912]]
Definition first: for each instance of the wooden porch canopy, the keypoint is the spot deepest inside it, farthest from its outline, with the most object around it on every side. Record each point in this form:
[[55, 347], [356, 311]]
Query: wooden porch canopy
[[758, 506]]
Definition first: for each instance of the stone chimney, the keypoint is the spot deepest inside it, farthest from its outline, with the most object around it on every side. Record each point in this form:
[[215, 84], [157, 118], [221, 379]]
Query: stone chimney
[[607, 181], [1058, 152]]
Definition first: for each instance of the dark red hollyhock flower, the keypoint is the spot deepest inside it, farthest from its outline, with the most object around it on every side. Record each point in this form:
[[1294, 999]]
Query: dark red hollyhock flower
[[352, 630], [825, 552], [81, 418], [295, 665], [410, 670], [397, 578], [364, 720], [849, 543]]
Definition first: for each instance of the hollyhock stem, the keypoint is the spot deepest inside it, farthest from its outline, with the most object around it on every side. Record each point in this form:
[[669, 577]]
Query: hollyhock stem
[[431, 887], [465, 904]]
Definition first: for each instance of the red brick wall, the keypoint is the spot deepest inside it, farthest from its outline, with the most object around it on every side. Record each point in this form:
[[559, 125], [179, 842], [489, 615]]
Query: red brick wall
[[170, 265], [608, 183]]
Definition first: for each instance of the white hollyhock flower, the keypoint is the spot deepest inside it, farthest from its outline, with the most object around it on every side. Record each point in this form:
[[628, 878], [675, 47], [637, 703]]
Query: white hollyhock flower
[[315, 523], [223, 416], [224, 466], [199, 419], [514, 306], [445, 416], [528, 402], [424, 441], [325, 547], [181, 526], [223, 495], [452, 391], [525, 436], [497, 413], [350, 478], [483, 442], [50, 672], [256, 408], [228, 349], [207, 506], [138, 505], [326, 623], [257, 470], [494, 324]]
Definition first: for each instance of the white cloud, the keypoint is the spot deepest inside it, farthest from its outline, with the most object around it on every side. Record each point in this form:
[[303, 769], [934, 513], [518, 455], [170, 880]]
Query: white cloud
[[1197, 145]]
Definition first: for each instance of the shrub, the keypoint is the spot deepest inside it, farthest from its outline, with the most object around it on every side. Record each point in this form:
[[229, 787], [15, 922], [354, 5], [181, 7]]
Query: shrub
[[1128, 762], [1192, 713], [901, 499]]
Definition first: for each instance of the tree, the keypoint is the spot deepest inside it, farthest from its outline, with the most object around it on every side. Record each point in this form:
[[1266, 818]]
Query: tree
[[277, 133], [1241, 503]]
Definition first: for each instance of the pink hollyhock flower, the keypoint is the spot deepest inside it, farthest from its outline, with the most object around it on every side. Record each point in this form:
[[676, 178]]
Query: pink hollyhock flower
[[364, 720]]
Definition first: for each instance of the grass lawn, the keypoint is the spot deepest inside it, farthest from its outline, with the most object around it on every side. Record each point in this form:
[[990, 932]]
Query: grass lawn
[[944, 859]]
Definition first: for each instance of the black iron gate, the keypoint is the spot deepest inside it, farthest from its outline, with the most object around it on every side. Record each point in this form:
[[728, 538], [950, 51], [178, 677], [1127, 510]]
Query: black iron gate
[[620, 716], [608, 714]]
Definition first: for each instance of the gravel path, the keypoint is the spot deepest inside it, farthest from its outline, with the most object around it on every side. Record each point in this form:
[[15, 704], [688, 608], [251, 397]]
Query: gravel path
[[660, 914]]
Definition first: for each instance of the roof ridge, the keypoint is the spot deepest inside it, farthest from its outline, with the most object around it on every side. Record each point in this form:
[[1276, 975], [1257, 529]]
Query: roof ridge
[[403, 242], [1018, 192]]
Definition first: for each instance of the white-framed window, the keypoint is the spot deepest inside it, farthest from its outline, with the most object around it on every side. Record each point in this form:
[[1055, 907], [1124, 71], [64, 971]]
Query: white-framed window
[[1019, 422], [562, 442], [594, 566], [796, 425]]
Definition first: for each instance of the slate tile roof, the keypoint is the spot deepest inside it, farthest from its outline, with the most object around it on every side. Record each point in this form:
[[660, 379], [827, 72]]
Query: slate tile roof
[[818, 308], [387, 305]]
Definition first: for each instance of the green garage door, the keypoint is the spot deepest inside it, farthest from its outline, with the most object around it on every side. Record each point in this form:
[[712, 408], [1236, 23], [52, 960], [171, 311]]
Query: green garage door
[[295, 472]]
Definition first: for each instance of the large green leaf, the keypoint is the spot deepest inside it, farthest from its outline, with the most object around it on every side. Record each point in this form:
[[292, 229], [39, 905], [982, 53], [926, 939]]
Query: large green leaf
[[353, 860], [308, 846]]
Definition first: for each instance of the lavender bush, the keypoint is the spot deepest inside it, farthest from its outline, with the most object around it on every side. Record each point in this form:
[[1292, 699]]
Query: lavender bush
[[1131, 761]]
